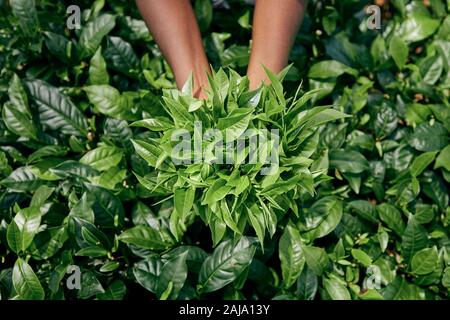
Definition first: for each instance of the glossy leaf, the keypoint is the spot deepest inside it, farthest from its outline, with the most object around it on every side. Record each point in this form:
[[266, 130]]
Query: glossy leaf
[[291, 255], [26, 283], [225, 264], [93, 32], [57, 111]]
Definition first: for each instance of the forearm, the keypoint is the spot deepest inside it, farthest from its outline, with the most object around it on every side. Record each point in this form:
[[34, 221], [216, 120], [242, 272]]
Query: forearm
[[173, 25], [275, 25]]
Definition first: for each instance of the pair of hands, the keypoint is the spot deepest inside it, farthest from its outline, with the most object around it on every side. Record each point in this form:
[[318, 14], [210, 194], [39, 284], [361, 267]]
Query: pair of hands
[[175, 29]]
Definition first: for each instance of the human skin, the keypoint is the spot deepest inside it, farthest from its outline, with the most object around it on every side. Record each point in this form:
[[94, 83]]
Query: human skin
[[275, 25], [174, 28]]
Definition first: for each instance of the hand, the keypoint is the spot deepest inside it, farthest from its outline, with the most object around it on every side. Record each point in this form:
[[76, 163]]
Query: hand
[[174, 27], [275, 25]]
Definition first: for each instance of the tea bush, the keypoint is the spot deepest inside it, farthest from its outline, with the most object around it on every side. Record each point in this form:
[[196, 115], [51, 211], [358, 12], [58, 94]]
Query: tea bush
[[355, 208]]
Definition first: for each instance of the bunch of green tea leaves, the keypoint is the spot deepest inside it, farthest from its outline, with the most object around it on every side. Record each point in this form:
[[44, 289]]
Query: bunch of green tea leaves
[[232, 196]]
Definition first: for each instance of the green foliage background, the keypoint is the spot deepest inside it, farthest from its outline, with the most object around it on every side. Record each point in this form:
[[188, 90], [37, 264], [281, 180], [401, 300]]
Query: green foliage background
[[362, 199]]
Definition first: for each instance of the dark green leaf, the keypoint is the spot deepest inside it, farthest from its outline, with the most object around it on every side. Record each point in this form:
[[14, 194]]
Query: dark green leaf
[[93, 32], [226, 263], [57, 111], [26, 283], [291, 255]]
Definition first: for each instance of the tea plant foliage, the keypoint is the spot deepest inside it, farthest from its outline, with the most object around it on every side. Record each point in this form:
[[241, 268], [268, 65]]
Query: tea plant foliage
[[353, 205]]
